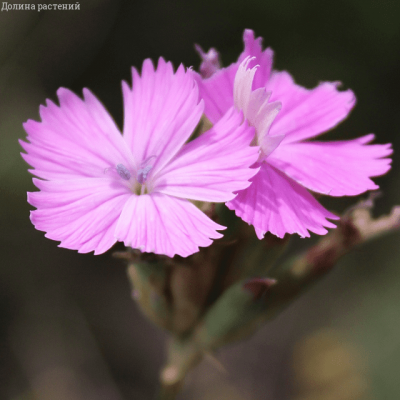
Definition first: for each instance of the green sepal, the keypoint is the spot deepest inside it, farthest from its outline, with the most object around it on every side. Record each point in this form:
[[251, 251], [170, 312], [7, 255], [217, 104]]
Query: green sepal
[[232, 316], [149, 284], [244, 255]]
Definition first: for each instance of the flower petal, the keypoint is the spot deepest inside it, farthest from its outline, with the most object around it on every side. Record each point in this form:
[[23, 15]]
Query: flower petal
[[264, 58], [80, 213], [161, 112], [242, 86], [307, 113], [256, 108], [77, 139], [261, 114], [277, 204], [217, 91], [214, 165], [340, 168], [165, 225]]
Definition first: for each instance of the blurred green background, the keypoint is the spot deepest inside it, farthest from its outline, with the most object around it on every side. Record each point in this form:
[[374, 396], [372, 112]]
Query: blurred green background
[[69, 329]]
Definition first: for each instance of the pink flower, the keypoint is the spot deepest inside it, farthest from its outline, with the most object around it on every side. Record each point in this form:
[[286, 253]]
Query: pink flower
[[278, 200], [99, 186]]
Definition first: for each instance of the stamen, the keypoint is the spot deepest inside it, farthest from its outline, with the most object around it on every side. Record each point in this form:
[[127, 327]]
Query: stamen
[[123, 172], [145, 168], [142, 174]]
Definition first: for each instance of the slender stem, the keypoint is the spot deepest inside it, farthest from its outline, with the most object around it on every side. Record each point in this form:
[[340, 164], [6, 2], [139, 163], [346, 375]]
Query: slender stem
[[170, 385], [183, 355]]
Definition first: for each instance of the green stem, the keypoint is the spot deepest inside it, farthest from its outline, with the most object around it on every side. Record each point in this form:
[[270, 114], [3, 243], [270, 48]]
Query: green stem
[[183, 355], [169, 391]]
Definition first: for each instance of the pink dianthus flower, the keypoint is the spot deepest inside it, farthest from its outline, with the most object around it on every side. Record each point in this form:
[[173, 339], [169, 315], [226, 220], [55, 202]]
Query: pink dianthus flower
[[98, 186], [285, 115]]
